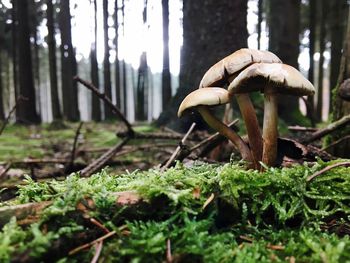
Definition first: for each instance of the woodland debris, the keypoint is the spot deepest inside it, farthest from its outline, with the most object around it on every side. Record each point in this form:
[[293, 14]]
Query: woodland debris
[[327, 168]]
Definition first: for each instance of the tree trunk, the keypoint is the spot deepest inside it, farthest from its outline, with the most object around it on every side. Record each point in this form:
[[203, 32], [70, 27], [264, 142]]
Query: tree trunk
[[284, 28], [26, 110], [211, 32], [322, 41], [166, 77], [51, 42], [14, 49], [337, 12], [125, 98], [312, 27], [106, 64], [95, 101], [341, 107], [117, 65], [68, 65], [260, 18], [141, 94], [2, 111]]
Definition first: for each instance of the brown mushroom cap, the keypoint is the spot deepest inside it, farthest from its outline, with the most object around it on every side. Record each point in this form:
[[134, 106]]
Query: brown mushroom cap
[[219, 73], [205, 96], [284, 78]]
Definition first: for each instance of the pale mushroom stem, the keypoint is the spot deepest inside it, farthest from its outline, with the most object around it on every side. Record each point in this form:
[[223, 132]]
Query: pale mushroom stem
[[224, 130], [270, 132], [252, 126]]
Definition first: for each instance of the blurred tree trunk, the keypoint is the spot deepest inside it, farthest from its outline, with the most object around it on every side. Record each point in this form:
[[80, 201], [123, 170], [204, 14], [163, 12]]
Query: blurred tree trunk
[[51, 42], [106, 63], [166, 77], [26, 110], [124, 89], [68, 65], [337, 12], [284, 29], [322, 40], [117, 65], [260, 18], [14, 49], [142, 79], [2, 111], [312, 39], [95, 101], [211, 32], [341, 107]]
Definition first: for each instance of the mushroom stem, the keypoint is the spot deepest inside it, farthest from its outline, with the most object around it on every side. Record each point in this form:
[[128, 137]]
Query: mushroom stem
[[270, 132], [252, 126], [224, 130]]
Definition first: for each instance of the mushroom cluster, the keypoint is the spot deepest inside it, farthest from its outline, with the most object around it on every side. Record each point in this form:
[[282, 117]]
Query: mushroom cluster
[[246, 71]]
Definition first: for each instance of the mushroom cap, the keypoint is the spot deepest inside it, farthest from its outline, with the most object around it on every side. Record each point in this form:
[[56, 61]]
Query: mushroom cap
[[206, 96], [283, 78], [219, 73]]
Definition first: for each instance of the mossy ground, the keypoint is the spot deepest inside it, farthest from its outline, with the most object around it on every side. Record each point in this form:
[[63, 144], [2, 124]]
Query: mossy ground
[[273, 216]]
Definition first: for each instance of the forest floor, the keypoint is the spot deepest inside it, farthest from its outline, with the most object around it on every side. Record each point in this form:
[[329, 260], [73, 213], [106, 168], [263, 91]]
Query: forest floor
[[58, 204]]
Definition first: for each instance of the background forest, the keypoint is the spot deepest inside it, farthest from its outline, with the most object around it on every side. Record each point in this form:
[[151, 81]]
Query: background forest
[[147, 55]]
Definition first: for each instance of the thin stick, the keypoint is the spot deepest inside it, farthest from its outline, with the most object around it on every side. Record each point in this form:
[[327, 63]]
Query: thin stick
[[76, 250], [311, 177], [336, 142], [211, 138], [5, 170], [330, 128], [77, 133], [98, 249], [153, 135], [178, 148], [169, 257], [104, 158], [108, 101], [99, 225]]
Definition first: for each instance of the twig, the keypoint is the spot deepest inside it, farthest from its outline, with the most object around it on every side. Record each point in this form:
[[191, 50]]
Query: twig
[[153, 135], [76, 250], [6, 121], [99, 225], [77, 133], [169, 257], [5, 170], [330, 128], [108, 101], [208, 201], [210, 138], [178, 148], [335, 142], [98, 249], [100, 162], [302, 129], [311, 177]]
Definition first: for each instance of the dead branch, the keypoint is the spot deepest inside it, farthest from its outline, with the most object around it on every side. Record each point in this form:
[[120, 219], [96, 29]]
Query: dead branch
[[311, 177], [298, 128], [72, 156], [100, 162], [154, 135], [6, 121], [336, 142], [178, 149], [108, 101], [329, 129]]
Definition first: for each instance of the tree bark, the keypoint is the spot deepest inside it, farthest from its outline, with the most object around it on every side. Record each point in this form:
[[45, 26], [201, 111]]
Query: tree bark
[[284, 29], [106, 64], [166, 77], [211, 32], [26, 110], [51, 42], [95, 101], [68, 65], [322, 41]]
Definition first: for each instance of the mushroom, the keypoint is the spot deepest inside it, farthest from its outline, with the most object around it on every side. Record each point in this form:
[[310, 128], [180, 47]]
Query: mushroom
[[271, 79], [222, 74], [200, 99]]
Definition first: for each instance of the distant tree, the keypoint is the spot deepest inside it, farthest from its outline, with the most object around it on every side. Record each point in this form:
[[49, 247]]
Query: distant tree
[[14, 49], [166, 78], [322, 41], [284, 29], [106, 63], [312, 40], [260, 19], [2, 111], [117, 64], [95, 101], [211, 31], [68, 65], [124, 88], [51, 42], [26, 110], [337, 16]]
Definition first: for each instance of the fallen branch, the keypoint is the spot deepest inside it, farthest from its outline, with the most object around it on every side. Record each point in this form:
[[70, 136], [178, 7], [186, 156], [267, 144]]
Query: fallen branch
[[72, 157], [108, 101], [6, 121], [154, 135], [100, 162], [298, 128], [311, 177], [336, 142], [330, 128], [178, 148]]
